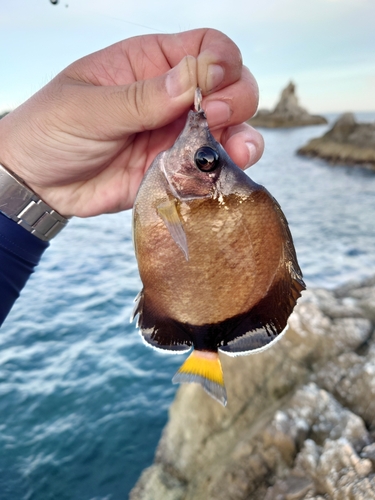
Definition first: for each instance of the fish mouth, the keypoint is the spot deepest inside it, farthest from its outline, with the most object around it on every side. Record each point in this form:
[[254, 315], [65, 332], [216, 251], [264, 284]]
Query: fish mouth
[[198, 100]]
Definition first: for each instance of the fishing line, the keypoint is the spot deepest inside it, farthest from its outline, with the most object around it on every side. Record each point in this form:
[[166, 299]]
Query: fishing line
[[179, 42], [134, 24], [55, 2], [175, 35]]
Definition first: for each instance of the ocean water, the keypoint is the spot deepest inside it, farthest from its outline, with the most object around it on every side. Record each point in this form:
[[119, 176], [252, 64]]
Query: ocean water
[[82, 400]]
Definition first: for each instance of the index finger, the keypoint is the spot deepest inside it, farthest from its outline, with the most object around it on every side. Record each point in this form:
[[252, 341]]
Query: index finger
[[219, 59]]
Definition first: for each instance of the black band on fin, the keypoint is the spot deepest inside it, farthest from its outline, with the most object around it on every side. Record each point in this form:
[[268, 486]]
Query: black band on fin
[[266, 320], [158, 331]]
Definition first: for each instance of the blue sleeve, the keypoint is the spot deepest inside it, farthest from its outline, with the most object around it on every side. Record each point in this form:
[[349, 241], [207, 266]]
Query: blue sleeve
[[20, 252]]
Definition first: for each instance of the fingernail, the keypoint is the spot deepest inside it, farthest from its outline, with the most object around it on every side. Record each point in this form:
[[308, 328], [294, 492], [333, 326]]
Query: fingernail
[[215, 75], [252, 153], [217, 112], [182, 77]]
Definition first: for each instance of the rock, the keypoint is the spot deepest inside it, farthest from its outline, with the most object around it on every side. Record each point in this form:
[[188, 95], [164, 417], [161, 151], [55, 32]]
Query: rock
[[337, 470], [369, 452], [333, 306], [4, 114], [342, 129], [287, 113], [300, 420], [157, 479], [295, 487], [366, 300], [345, 289], [347, 142], [351, 379]]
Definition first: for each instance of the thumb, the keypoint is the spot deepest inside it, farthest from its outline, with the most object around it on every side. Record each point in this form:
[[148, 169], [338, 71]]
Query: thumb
[[147, 104]]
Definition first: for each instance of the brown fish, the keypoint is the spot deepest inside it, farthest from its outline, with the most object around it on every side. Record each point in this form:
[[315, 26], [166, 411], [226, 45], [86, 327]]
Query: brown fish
[[215, 256]]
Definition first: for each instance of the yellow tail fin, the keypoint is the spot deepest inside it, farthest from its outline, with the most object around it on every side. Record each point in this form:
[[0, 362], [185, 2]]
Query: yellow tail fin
[[204, 367]]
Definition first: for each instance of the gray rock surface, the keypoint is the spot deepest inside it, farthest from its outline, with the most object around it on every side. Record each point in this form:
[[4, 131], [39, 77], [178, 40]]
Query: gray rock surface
[[287, 113], [300, 420], [347, 142]]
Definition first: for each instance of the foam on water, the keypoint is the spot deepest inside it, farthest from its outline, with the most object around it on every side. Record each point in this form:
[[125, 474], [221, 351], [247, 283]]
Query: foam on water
[[82, 399]]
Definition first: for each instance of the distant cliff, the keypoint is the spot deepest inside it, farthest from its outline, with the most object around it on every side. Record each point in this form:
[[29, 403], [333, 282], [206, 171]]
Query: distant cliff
[[287, 113], [347, 142], [300, 420]]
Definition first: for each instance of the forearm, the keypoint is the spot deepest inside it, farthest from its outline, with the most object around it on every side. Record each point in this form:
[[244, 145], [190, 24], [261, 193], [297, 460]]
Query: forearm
[[20, 252]]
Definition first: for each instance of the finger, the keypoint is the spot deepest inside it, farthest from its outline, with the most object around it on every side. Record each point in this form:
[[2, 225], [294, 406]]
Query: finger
[[218, 68], [244, 144], [233, 105], [219, 62], [219, 58], [141, 58], [113, 111]]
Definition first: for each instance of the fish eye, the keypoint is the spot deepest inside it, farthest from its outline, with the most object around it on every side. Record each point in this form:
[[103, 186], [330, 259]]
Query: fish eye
[[206, 159]]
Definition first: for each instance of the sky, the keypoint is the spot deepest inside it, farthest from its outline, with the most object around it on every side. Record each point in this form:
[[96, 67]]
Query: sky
[[327, 47]]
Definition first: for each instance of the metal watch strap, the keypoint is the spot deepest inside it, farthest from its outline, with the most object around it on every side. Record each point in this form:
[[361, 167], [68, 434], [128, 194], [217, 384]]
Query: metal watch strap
[[21, 204]]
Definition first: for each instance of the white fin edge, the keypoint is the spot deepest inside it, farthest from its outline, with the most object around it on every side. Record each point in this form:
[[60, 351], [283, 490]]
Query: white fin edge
[[160, 349], [255, 351]]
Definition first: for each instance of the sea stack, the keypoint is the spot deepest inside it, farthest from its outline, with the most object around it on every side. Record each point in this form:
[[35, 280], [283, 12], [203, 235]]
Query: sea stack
[[287, 113], [347, 142]]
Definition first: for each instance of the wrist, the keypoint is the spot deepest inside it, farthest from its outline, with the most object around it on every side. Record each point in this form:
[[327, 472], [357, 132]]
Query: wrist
[[21, 204]]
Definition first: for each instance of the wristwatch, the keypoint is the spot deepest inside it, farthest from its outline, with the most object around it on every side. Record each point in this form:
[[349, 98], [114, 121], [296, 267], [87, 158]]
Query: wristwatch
[[21, 204]]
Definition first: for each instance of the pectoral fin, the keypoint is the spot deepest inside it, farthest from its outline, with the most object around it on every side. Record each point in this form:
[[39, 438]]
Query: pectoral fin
[[168, 212]]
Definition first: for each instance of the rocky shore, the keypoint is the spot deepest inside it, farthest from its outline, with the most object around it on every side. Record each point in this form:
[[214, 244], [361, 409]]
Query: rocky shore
[[347, 142], [300, 420], [287, 113]]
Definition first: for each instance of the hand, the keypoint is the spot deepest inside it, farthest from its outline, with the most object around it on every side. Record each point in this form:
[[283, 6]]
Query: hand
[[85, 140]]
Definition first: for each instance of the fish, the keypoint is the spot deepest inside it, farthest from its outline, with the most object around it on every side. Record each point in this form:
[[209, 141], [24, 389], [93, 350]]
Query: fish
[[215, 256]]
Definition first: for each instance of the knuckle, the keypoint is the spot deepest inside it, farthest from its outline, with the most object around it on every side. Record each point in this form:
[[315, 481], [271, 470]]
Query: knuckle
[[136, 103]]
